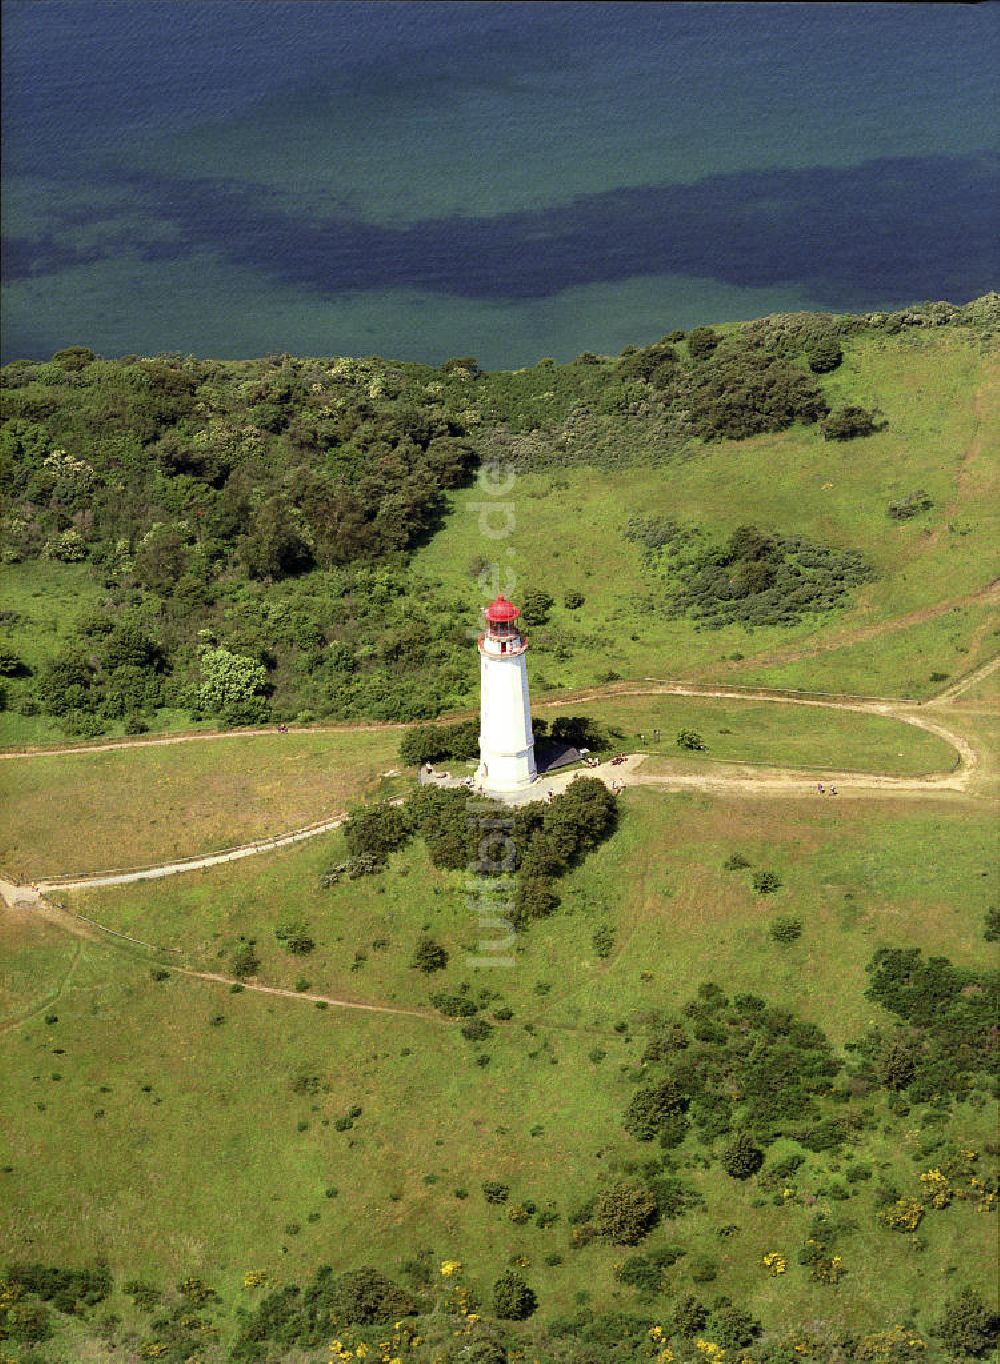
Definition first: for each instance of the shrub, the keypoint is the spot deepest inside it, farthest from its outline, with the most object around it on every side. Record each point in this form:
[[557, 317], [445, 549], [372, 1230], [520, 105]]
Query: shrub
[[513, 1300], [625, 1213], [847, 423], [731, 1327], [495, 1192], [742, 1158], [642, 1273], [825, 355], [364, 1296], [967, 1326], [702, 342], [477, 1030], [650, 1106], [573, 601], [535, 898], [604, 940], [910, 505], [376, 830], [689, 1316], [454, 1005], [690, 739], [244, 962], [735, 862], [429, 956], [786, 930], [535, 606], [765, 882], [295, 938]]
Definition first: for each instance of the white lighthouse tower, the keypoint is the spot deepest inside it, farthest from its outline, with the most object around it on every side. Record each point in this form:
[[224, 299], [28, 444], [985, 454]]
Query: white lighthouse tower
[[506, 744]]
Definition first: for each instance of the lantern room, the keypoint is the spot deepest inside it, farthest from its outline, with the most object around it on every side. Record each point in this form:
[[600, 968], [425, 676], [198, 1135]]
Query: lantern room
[[502, 635]]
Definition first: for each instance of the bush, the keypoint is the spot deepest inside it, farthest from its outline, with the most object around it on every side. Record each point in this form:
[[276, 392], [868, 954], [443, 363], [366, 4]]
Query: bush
[[690, 739], [967, 1326], [244, 962], [786, 930], [477, 1030], [604, 940], [295, 938], [765, 882], [847, 423], [650, 1106], [910, 505], [429, 956], [535, 606], [364, 1296], [731, 1327], [513, 1300], [440, 743], [573, 601], [825, 355], [495, 1192], [454, 1006], [625, 1213], [702, 342], [377, 830], [742, 1158], [536, 898]]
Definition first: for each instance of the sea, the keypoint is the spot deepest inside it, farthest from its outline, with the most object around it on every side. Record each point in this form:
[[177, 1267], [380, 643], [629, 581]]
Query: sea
[[509, 180]]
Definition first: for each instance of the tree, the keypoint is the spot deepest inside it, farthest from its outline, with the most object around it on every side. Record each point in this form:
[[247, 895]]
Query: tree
[[625, 1213], [244, 961], [690, 738], [742, 1158], [650, 1106], [363, 1296], [846, 423], [232, 687], [513, 1300], [535, 899], [376, 830], [429, 956], [825, 355], [702, 341], [277, 543], [968, 1326], [535, 606], [11, 664]]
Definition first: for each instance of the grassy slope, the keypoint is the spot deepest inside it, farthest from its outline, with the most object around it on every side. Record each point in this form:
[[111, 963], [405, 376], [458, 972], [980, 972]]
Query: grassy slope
[[205, 1180], [938, 437], [133, 807]]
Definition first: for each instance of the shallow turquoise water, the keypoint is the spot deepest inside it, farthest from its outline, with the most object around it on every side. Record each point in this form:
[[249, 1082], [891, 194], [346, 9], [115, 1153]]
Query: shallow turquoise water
[[513, 180]]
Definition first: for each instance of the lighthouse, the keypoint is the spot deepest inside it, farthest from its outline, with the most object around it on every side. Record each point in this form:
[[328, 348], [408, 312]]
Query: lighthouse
[[506, 744]]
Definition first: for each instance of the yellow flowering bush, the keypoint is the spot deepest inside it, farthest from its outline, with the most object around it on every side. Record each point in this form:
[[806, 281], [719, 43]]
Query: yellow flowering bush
[[905, 1214], [255, 1278], [775, 1262], [715, 1353], [450, 1268], [900, 1345], [937, 1188]]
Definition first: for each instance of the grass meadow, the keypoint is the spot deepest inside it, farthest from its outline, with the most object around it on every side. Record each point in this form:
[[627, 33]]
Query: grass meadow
[[570, 523], [155, 1120], [132, 807]]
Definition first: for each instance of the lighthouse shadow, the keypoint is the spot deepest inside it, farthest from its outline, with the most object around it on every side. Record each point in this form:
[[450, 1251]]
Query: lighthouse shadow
[[550, 755]]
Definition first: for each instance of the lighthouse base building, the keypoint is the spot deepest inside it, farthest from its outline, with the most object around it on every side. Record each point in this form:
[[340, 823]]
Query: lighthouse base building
[[506, 743]]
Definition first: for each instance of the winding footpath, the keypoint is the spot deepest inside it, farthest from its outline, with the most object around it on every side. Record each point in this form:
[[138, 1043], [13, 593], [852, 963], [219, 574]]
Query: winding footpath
[[725, 779]]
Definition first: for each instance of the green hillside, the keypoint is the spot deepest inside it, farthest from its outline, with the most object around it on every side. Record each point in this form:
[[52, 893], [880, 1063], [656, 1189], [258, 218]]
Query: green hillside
[[705, 1071]]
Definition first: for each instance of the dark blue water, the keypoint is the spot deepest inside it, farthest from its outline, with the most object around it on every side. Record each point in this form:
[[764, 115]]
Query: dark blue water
[[425, 179]]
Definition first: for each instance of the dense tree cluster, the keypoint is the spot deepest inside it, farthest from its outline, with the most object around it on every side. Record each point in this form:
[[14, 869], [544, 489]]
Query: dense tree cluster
[[753, 578]]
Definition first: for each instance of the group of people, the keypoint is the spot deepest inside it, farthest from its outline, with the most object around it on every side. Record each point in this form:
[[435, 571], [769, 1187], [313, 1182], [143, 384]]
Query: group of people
[[822, 791]]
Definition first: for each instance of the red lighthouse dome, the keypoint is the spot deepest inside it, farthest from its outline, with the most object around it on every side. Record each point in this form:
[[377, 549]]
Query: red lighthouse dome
[[500, 611]]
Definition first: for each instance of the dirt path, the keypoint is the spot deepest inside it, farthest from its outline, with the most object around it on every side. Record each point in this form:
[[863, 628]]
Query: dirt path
[[30, 900], [860, 634], [731, 779], [965, 683]]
